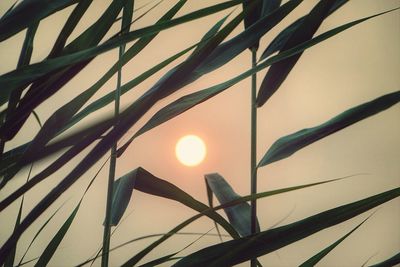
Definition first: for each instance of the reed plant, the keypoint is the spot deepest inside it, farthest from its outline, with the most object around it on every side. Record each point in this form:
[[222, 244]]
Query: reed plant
[[80, 135]]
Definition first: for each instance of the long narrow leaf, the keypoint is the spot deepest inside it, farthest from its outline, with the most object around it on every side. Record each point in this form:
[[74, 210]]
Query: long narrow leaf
[[279, 71], [319, 256], [27, 13], [281, 39], [389, 262], [135, 259], [287, 145], [236, 251]]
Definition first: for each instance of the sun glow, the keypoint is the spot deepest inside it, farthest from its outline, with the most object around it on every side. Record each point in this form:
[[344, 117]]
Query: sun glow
[[190, 150]]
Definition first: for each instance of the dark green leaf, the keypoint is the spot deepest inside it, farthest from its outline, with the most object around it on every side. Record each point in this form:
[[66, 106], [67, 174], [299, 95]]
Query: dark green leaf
[[27, 13], [148, 249], [252, 9], [280, 40], [389, 262], [279, 71], [287, 145], [236, 251], [319, 256], [238, 215]]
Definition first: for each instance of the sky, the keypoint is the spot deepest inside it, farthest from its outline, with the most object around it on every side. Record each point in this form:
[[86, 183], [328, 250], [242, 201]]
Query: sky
[[354, 67]]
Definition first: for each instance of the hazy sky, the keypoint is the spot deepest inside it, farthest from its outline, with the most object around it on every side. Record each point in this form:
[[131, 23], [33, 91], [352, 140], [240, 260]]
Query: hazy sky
[[349, 69]]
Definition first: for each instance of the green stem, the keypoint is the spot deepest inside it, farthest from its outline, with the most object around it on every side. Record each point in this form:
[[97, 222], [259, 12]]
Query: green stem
[[253, 153], [111, 174]]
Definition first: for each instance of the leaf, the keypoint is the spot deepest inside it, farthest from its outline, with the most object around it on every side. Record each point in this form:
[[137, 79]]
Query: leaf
[[27, 13], [278, 72], [236, 251], [280, 40], [319, 256], [135, 259], [389, 262], [56, 240], [252, 9], [287, 145], [240, 215]]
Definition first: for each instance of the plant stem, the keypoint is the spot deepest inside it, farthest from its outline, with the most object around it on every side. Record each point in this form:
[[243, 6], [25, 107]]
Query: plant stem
[[253, 153], [111, 174]]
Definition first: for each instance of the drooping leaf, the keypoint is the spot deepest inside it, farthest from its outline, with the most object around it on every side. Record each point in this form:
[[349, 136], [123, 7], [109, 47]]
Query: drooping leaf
[[279, 71], [27, 13], [319, 256], [135, 259], [236, 251], [288, 145], [239, 215], [280, 40]]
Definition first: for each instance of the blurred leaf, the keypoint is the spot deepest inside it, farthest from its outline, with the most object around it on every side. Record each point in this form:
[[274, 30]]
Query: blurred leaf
[[236, 251], [278, 72], [287, 145], [27, 13], [316, 258], [148, 249], [252, 9], [238, 215], [389, 262], [280, 40]]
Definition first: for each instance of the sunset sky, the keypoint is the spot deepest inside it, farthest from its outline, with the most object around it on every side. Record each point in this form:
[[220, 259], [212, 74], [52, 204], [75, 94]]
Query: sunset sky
[[354, 67]]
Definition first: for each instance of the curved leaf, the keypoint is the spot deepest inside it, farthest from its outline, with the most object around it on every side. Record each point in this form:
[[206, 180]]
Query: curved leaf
[[236, 251], [238, 215], [287, 145], [389, 262]]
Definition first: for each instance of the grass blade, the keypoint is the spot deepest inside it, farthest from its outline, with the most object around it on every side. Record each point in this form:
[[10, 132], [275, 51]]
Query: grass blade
[[245, 248], [239, 215], [278, 72], [288, 145], [319, 256]]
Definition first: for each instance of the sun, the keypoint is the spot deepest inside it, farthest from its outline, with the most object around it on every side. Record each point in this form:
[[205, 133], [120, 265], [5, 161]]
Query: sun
[[190, 150]]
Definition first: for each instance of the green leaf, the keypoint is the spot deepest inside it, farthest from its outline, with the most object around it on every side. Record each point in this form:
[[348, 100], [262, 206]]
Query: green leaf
[[27, 13], [56, 240], [287, 145], [238, 215], [252, 9], [319, 256], [281, 39], [148, 249], [389, 262], [236, 251], [278, 72]]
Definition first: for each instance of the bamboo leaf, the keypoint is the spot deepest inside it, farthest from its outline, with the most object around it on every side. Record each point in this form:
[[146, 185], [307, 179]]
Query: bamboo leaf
[[319, 256], [288, 145], [252, 10], [278, 72], [27, 13], [239, 215], [281, 39], [236, 251]]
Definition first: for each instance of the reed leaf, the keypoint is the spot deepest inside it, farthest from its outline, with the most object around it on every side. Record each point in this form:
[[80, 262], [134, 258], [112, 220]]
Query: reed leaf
[[27, 13], [239, 215], [278, 72], [281, 39], [239, 250], [389, 262], [288, 145], [319, 256], [135, 259]]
